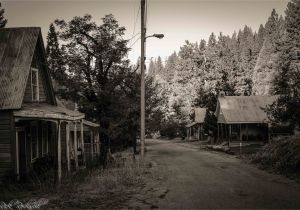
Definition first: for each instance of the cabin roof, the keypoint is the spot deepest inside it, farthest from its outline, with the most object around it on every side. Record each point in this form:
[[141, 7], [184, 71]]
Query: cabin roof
[[243, 109], [200, 114], [47, 111], [17, 47]]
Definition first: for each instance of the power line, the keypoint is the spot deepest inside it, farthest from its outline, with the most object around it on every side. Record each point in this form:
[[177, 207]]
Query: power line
[[135, 22], [134, 36], [135, 41]]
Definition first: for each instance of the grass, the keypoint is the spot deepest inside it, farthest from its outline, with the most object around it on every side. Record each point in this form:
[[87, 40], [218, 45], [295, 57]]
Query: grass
[[87, 189], [109, 188]]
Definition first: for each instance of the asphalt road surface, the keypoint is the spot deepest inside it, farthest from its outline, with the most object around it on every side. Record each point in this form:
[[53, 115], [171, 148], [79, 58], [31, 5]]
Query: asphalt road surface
[[197, 179]]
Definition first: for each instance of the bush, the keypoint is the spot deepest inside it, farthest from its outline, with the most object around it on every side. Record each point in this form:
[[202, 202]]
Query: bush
[[282, 155], [172, 129]]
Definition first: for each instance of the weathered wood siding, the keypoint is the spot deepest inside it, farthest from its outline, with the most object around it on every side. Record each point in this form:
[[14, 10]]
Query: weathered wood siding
[[6, 129]]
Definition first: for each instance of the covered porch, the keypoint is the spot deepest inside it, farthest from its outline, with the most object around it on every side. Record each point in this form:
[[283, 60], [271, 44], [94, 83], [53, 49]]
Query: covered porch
[[242, 132], [195, 131], [43, 136]]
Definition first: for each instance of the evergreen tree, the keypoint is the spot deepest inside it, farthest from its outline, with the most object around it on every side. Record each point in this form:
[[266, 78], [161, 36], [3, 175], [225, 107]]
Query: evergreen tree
[[170, 67], [159, 66], [286, 82], [151, 68], [212, 40], [3, 21], [55, 56], [267, 63]]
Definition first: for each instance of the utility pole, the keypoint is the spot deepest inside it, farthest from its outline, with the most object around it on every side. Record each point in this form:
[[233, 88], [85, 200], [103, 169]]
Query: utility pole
[[143, 39]]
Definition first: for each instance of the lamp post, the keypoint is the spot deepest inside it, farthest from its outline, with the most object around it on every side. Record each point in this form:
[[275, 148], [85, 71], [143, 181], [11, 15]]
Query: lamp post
[[143, 42]]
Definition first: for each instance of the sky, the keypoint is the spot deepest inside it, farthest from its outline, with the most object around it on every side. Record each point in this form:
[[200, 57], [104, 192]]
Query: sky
[[178, 20]]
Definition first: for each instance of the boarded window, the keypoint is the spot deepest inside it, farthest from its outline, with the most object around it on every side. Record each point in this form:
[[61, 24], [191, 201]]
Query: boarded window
[[35, 84], [34, 141], [45, 137]]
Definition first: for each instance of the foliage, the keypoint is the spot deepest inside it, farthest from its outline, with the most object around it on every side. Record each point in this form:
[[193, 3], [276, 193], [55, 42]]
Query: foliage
[[267, 63], [89, 62], [3, 21], [287, 80], [55, 57], [282, 155]]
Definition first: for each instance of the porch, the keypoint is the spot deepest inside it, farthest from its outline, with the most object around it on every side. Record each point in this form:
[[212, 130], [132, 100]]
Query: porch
[[52, 136]]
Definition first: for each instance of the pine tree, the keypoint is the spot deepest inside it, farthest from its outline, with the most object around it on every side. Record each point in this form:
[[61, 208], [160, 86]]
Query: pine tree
[[170, 67], [55, 56], [286, 82], [151, 68], [159, 66], [267, 63], [3, 21]]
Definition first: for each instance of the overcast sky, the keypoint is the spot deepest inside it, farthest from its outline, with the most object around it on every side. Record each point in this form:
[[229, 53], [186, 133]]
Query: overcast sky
[[179, 20]]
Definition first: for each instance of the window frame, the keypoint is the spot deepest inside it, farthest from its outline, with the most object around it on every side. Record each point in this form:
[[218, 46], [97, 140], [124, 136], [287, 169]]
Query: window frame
[[45, 125], [36, 71], [34, 124]]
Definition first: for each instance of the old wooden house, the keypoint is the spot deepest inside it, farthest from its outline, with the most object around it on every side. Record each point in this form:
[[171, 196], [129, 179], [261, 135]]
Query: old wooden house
[[195, 129], [243, 118], [34, 126]]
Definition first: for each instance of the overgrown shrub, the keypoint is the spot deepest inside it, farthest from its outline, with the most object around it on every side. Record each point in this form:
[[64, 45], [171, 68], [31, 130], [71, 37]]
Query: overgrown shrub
[[282, 155], [172, 129]]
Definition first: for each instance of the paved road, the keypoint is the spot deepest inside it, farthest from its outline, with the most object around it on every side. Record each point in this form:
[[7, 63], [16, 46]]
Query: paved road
[[204, 179]]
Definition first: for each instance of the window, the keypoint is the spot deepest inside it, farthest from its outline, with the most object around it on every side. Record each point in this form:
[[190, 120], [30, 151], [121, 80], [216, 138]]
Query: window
[[45, 138], [35, 84], [34, 141]]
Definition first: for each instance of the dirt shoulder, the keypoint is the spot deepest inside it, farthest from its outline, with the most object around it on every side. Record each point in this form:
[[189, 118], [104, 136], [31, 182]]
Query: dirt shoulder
[[127, 184]]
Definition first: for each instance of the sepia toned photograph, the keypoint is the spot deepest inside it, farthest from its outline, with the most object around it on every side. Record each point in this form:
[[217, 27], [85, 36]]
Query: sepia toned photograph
[[149, 104]]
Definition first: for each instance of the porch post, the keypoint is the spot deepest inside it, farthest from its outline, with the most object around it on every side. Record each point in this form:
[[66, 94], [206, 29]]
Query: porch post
[[92, 143], [229, 138], [68, 146], [98, 142], [82, 141], [222, 132], [247, 132], [58, 152], [75, 146], [225, 131], [187, 132], [241, 139], [218, 137]]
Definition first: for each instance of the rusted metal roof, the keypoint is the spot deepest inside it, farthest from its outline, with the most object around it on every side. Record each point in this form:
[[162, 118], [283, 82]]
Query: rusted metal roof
[[17, 47], [243, 109], [200, 114], [47, 111], [70, 105]]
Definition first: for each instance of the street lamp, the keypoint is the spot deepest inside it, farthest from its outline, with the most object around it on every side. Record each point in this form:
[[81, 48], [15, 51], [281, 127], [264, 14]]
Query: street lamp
[[159, 36], [143, 41]]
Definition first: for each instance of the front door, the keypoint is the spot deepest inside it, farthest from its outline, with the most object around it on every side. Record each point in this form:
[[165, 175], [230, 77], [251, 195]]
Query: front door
[[21, 159]]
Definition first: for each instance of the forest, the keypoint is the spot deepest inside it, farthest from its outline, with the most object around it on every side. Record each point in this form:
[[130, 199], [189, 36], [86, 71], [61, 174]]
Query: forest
[[263, 62]]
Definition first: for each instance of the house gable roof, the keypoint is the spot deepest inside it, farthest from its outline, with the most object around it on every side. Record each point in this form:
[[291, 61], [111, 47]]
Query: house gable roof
[[17, 47], [243, 109]]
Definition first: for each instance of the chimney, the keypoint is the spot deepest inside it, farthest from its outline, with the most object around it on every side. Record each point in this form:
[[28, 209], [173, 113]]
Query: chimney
[[221, 94]]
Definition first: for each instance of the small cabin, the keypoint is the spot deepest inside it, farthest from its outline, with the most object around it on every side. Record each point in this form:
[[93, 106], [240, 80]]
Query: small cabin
[[243, 118], [195, 129], [35, 129]]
